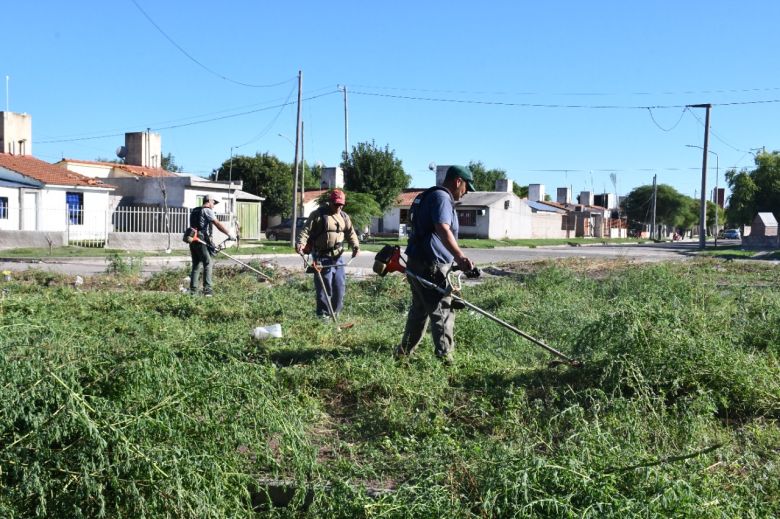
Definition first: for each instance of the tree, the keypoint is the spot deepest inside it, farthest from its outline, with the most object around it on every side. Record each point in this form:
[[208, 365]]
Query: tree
[[168, 163], [360, 207], [754, 191], [672, 208], [263, 175], [375, 171], [485, 179]]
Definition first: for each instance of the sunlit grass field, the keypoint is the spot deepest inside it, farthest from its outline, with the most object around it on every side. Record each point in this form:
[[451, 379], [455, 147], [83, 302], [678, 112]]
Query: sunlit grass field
[[123, 397]]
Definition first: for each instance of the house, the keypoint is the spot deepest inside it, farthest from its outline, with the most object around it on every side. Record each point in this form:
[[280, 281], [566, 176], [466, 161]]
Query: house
[[497, 215], [763, 233], [40, 202], [141, 183]]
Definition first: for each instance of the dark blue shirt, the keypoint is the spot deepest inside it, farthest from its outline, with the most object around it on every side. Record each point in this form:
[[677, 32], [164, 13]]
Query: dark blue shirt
[[437, 206]]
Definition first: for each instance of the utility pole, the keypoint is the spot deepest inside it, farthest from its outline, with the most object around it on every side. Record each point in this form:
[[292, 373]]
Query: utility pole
[[703, 208], [303, 167], [655, 197], [294, 234], [343, 88]]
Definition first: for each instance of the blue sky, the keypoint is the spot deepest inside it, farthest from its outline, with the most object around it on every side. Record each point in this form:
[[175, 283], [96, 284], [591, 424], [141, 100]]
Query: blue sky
[[553, 92]]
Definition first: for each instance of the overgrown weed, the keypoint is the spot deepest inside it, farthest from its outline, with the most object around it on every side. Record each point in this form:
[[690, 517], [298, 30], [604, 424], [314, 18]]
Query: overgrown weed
[[142, 401]]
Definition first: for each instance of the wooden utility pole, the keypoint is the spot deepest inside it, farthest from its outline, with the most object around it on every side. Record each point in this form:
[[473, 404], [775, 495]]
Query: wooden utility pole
[[294, 233], [346, 123], [655, 198], [703, 208], [303, 167]]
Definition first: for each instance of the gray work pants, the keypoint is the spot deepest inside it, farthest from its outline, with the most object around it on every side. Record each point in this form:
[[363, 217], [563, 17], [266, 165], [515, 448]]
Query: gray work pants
[[201, 261], [429, 305]]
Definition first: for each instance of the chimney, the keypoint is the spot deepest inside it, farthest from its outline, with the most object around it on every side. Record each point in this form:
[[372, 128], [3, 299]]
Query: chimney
[[143, 149], [332, 178], [563, 195], [586, 198], [504, 185], [535, 192], [16, 134]]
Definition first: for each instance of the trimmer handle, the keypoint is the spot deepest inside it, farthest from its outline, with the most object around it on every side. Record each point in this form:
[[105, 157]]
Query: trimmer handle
[[471, 274]]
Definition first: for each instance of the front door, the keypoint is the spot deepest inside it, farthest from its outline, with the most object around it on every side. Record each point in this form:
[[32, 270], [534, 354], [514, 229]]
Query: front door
[[29, 211], [249, 219]]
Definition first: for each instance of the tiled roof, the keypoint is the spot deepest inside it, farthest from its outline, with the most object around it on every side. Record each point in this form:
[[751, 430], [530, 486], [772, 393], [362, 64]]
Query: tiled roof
[[313, 194], [136, 171], [47, 173], [408, 196]]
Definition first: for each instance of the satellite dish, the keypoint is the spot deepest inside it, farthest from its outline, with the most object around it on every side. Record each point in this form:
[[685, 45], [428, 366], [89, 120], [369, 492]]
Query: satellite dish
[[121, 152], [432, 166], [320, 164]]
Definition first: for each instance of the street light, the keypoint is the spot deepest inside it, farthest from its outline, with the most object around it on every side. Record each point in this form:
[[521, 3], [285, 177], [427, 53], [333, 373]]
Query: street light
[[717, 197]]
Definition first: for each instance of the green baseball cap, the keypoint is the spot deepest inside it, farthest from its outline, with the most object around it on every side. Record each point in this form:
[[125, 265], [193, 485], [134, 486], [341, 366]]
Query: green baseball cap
[[461, 172]]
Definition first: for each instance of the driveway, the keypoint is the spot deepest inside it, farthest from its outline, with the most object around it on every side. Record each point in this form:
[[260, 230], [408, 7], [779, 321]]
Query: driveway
[[361, 265]]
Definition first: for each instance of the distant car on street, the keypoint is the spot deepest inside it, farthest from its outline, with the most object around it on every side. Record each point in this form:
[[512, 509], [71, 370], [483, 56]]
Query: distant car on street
[[732, 234], [283, 231]]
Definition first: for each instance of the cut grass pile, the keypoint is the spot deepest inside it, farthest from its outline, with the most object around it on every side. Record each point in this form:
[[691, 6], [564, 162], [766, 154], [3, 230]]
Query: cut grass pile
[[129, 399]]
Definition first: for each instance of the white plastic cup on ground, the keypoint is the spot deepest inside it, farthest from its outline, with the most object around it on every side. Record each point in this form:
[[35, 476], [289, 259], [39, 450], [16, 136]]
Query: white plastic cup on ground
[[262, 333]]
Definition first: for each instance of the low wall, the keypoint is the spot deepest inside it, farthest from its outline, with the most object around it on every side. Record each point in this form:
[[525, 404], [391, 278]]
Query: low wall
[[151, 241], [144, 241], [32, 239], [760, 242]]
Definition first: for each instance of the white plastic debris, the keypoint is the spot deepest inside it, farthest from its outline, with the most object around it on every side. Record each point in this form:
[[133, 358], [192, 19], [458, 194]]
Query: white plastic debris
[[79, 281], [262, 333]]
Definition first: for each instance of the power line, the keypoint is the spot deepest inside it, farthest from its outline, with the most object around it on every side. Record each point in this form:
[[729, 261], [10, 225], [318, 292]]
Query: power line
[[544, 105], [270, 125], [583, 94], [203, 121], [201, 65]]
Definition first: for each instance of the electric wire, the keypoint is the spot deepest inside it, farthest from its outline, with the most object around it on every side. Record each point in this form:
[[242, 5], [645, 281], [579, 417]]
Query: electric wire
[[270, 125], [713, 133], [682, 114], [201, 65], [550, 105], [584, 94], [203, 121]]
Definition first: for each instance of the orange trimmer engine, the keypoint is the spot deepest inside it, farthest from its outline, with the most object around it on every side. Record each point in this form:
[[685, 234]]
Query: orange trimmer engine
[[388, 259]]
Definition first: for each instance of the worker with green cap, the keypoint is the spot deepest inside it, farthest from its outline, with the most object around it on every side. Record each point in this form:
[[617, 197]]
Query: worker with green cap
[[432, 248]]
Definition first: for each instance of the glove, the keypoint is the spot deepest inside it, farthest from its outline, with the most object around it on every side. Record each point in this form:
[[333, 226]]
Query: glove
[[355, 251], [231, 237]]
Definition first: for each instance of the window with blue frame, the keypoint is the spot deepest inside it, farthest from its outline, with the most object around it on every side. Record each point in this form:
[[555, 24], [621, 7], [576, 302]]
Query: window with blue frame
[[3, 208], [75, 203]]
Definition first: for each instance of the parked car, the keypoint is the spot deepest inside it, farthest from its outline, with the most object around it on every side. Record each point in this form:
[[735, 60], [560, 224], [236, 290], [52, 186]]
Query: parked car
[[283, 231], [732, 234]]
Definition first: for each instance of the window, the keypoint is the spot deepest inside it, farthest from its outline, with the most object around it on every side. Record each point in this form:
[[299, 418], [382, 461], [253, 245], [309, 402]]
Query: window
[[3, 208], [467, 218], [404, 216], [506, 204], [75, 203]]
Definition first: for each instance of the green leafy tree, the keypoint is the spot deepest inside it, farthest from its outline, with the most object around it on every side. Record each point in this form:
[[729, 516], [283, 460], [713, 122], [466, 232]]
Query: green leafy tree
[[520, 191], [754, 191], [360, 207], [263, 175], [672, 207], [485, 179], [168, 163], [375, 171]]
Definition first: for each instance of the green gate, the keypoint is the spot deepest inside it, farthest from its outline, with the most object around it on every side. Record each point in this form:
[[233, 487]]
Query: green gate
[[248, 214]]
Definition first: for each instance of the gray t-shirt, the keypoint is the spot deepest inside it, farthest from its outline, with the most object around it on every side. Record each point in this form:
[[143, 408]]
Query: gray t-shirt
[[437, 206]]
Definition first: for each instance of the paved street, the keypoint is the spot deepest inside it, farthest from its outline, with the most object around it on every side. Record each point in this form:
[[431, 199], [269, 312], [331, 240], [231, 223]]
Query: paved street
[[362, 264]]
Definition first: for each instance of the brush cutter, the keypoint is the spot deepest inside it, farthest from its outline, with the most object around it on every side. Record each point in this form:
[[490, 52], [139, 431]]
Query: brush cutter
[[218, 250], [389, 260], [315, 267]]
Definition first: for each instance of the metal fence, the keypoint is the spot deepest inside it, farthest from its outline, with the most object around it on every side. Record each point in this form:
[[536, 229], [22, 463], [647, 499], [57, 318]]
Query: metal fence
[[150, 219], [90, 227]]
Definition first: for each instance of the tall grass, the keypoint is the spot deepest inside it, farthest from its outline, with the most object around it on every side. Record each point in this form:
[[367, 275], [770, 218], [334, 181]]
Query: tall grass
[[139, 401]]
